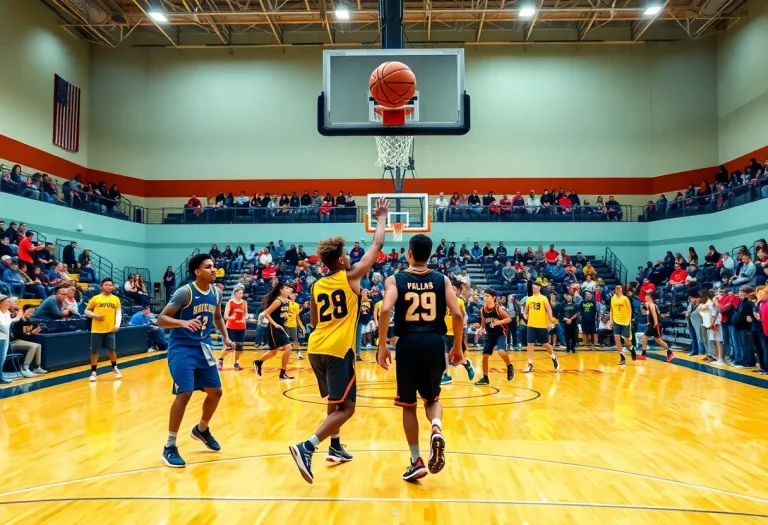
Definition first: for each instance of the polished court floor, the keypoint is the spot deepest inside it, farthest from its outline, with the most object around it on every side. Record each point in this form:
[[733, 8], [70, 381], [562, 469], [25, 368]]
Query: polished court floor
[[651, 442]]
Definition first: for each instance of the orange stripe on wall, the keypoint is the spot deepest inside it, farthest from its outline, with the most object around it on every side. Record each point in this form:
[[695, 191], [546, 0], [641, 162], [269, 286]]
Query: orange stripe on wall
[[47, 162]]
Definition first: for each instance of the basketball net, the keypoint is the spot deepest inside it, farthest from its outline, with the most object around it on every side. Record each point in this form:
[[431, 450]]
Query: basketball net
[[397, 231], [394, 151]]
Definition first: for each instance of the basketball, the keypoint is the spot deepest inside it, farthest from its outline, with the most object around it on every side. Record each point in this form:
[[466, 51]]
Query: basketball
[[392, 84]]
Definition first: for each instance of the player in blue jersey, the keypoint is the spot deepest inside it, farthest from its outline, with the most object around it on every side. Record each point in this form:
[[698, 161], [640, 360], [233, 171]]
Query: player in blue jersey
[[192, 314]]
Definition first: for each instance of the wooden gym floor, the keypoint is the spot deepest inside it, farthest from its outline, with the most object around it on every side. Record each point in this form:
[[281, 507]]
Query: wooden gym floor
[[651, 442]]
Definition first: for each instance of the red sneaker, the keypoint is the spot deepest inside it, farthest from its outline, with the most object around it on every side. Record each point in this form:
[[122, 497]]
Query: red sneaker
[[641, 357]]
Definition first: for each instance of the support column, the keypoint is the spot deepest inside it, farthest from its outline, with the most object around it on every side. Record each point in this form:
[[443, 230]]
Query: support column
[[391, 15]]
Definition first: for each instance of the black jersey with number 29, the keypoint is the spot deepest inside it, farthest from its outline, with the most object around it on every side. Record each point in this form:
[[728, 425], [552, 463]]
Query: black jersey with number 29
[[420, 305]]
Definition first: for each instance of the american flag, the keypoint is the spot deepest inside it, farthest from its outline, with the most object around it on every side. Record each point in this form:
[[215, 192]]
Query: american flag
[[66, 114]]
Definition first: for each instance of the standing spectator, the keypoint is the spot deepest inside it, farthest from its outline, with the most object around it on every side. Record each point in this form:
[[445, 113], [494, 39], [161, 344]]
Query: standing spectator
[[169, 282], [744, 355], [570, 323], [27, 248], [291, 256], [5, 333], [105, 313], [68, 256], [441, 207]]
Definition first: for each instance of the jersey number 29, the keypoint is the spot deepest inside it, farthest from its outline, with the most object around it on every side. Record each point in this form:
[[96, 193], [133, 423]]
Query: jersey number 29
[[332, 306], [423, 306]]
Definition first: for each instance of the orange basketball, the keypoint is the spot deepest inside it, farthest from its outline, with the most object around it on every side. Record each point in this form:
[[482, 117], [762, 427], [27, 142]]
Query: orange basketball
[[392, 84]]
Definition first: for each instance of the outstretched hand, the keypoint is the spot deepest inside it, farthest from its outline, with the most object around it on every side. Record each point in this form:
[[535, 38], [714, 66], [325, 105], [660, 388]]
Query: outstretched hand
[[382, 207]]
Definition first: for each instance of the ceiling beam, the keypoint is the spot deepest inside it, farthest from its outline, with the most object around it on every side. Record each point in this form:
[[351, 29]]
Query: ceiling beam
[[533, 22], [640, 33], [156, 24]]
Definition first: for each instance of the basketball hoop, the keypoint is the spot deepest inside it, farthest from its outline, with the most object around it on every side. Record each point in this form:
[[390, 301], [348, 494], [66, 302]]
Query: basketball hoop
[[394, 151], [397, 231]]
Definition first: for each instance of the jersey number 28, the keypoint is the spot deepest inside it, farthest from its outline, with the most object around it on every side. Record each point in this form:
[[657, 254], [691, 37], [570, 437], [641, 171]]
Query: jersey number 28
[[423, 306], [332, 306]]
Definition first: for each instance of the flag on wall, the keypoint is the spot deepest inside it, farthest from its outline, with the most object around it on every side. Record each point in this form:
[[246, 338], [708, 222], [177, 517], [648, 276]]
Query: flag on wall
[[66, 114]]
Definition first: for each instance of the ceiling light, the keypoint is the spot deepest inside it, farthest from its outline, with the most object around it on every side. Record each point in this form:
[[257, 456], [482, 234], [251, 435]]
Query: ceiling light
[[527, 12], [342, 13], [652, 10], [157, 16]]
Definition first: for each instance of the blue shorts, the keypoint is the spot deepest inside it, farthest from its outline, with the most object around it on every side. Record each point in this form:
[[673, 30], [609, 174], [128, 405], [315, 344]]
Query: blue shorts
[[494, 341], [190, 369]]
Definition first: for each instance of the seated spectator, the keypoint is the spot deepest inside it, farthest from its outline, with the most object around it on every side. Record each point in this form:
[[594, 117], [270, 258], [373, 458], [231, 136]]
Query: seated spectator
[[133, 290], [508, 273], [464, 254], [589, 284], [746, 275], [194, 205], [156, 334], [533, 204], [518, 202], [356, 253], [677, 279], [539, 254], [21, 341], [712, 256], [501, 250], [695, 276], [12, 278], [589, 270], [488, 253], [564, 258], [646, 287], [88, 273], [53, 308], [476, 252], [279, 253], [558, 272], [84, 257]]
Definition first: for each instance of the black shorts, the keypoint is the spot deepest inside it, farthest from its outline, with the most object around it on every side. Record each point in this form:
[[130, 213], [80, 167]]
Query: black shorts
[[492, 341], [622, 330], [653, 331], [539, 336], [335, 376], [276, 338], [237, 336], [103, 341], [420, 367], [588, 326]]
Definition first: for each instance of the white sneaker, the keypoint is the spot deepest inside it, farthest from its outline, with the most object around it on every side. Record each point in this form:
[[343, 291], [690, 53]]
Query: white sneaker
[[300, 356], [39, 370], [118, 375], [718, 362], [26, 373], [93, 377]]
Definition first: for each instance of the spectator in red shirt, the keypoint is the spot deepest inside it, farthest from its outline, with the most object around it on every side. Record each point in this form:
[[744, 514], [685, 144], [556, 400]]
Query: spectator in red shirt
[[677, 279], [269, 272], [564, 258], [506, 204], [27, 249], [645, 288], [551, 255], [194, 204]]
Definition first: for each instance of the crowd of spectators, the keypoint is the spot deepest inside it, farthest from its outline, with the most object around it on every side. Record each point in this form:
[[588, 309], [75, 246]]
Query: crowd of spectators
[[87, 196]]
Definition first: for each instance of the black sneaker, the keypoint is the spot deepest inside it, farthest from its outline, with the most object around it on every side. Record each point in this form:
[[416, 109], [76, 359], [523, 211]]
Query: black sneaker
[[257, 367], [556, 363], [528, 369], [206, 437], [415, 472], [284, 377], [510, 372], [633, 353], [483, 381], [303, 459], [436, 452], [338, 455], [623, 360]]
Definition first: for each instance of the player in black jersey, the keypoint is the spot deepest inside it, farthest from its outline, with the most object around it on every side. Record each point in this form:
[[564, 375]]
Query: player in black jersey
[[653, 328], [275, 305], [420, 298], [493, 321]]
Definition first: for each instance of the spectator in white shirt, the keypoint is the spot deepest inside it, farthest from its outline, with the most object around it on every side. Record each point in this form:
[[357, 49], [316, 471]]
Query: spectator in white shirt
[[533, 203], [463, 277], [250, 255], [441, 207], [589, 284], [265, 258]]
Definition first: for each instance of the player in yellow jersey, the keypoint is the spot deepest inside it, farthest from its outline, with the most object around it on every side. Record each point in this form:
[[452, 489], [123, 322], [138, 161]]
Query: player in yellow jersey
[[448, 339], [538, 318], [106, 316], [621, 317], [334, 311], [293, 323]]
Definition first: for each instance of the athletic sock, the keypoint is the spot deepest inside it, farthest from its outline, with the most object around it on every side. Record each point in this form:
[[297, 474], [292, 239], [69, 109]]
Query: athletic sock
[[530, 362], [202, 426], [93, 368], [114, 364], [171, 439], [437, 423], [335, 441], [312, 443], [414, 452]]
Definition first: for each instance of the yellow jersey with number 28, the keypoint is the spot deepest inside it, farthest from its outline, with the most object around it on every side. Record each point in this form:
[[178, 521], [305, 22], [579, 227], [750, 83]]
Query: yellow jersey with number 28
[[338, 310]]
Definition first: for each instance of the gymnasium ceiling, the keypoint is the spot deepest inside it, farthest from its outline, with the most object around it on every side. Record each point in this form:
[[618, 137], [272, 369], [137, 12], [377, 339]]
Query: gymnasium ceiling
[[252, 23]]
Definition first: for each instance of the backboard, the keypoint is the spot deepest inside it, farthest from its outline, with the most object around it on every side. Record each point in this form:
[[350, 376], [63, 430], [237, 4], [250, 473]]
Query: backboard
[[441, 106], [409, 208]]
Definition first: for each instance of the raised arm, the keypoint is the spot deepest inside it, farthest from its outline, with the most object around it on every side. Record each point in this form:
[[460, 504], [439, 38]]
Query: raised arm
[[384, 356], [357, 271], [181, 298]]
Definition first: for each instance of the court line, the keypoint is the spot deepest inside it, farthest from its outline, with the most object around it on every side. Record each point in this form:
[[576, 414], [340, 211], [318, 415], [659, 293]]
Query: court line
[[469, 454], [711, 370], [26, 388], [297, 499]]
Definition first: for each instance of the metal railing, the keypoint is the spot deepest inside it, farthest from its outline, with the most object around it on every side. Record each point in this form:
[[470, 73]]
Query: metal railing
[[616, 266], [144, 272], [182, 275], [102, 266]]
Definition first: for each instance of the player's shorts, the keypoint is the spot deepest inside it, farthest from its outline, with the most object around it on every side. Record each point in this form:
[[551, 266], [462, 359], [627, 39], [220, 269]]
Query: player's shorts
[[276, 338], [652, 331], [620, 329], [538, 336], [715, 335], [390, 332], [104, 341], [190, 369], [293, 333], [237, 336], [588, 326], [492, 341], [420, 367], [335, 376]]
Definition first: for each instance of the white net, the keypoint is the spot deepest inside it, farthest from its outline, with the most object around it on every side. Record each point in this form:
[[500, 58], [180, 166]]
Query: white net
[[394, 151], [397, 231]]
